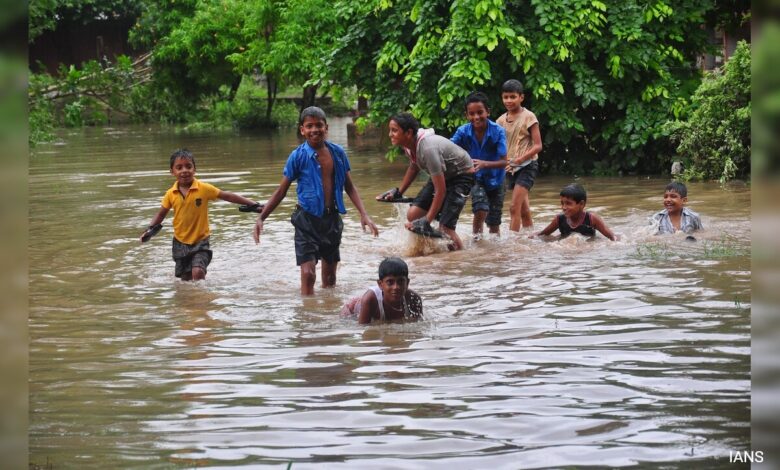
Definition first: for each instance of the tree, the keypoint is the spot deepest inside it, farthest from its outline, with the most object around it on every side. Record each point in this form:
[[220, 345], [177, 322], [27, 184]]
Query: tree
[[715, 139], [603, 76], [45, 15]]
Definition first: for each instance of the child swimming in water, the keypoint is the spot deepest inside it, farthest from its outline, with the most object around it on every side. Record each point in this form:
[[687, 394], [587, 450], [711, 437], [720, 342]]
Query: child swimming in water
[[675, 216], [574, 217], [390, 300]]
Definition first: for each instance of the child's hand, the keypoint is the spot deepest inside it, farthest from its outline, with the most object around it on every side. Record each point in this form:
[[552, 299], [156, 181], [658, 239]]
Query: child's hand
[[150, 232], [478, 164], [258, 230], [365, 221], [389, 195]]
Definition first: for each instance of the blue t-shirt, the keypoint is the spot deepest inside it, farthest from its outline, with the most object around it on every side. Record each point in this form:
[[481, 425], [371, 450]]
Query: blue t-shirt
[[302, 165], [492, 148]]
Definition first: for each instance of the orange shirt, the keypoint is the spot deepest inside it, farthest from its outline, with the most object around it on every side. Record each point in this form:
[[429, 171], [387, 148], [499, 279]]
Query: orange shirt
[[190, 214]]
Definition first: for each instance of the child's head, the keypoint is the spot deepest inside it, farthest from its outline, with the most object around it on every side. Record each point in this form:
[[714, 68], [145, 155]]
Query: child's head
[[573, 199], [403, 129], [512, 95], [183, 166], [477, 109], [675, 197], [393, 278], [313, 126], [182, 154]]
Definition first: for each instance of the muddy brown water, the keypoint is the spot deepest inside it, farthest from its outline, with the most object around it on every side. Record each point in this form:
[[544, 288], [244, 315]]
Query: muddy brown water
[[532, 354]]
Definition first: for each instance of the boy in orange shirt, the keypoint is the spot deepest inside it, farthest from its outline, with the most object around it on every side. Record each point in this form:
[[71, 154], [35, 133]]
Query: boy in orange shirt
[[188, 197]]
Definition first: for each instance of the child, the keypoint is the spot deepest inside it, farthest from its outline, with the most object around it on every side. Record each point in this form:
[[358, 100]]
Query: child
[[485, 141], [675, 215], [391, 299], [575, 218], [451, 176], [322, 171], [188, 197], [524, 142]]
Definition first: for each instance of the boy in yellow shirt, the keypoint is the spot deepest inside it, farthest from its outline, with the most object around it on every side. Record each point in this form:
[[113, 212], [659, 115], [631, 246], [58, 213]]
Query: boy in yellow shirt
[[188, 197]]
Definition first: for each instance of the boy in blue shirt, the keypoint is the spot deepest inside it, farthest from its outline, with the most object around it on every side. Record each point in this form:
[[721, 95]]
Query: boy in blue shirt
[[321, 169], [485, 141], [675, 215]]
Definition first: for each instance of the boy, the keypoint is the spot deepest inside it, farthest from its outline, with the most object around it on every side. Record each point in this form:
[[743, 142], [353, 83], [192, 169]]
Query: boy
[[321, 169], [188, 197], [485, 141], [675, 216], [451, 176], [390, 300], [524, 142], [575, 218]]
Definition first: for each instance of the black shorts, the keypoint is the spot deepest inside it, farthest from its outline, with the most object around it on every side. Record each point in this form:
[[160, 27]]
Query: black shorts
[[458, 189], [489, 200], [187, 256], [317, 237], [524, 177]]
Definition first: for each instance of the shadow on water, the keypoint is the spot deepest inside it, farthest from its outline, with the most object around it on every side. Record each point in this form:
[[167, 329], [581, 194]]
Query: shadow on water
[[532, 354]]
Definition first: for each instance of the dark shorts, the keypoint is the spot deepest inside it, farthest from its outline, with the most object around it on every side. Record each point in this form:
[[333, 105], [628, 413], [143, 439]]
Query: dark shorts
[[458, 189], [524, 177], [191, 256], [317, 237], [489, 200]]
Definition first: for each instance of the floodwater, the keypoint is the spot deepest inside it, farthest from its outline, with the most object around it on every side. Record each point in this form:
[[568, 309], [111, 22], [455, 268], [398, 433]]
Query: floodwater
[[532, 354]]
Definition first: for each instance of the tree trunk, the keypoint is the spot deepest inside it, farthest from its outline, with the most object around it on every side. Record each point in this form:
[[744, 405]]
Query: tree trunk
[[271, 87], [309, 96]]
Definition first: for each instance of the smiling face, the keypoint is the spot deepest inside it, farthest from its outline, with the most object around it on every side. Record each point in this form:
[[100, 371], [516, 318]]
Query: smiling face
[[478, 115], [398, 136], [183, 170], [512, 100], [314, 130], [571, 208], [673, 202], [393, 288]]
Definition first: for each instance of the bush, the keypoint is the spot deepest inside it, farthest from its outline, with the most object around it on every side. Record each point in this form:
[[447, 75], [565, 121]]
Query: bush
[[714, 142]]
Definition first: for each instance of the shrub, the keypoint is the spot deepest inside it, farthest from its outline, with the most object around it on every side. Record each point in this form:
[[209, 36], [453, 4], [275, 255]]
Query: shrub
[[714, 141]]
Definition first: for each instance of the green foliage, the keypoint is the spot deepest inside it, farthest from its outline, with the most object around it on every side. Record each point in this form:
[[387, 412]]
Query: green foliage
[[714, 140], [45, 15], [603, 76], [41, 123]]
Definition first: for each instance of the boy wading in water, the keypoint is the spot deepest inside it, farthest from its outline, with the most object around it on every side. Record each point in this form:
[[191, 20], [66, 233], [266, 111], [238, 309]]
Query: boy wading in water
[[321, 169], [485, 141], [189, 197], [451, 176], [524, 142]]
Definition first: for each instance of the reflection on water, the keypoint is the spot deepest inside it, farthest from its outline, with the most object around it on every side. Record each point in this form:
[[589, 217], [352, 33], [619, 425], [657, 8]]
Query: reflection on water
[[532, 354]]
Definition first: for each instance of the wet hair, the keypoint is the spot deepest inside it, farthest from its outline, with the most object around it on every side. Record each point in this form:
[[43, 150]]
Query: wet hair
[[677, 187], [182, 153], [477, 97], [393, 266], [312, 111], [574, 192], [512, 86], [406, 121]]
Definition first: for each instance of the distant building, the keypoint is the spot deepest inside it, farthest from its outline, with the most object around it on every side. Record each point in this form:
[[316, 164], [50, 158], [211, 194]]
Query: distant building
[[726, 43]]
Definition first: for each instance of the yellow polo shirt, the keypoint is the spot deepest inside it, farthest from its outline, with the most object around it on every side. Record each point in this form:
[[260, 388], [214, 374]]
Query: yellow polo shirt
[[190, 214]]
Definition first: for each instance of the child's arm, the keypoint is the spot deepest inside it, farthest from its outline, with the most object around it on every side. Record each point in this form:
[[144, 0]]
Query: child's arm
[[409, 176], [536, 138], [157, 219], [369, 307], [235, 198], [598, 224], [352, 192], [547, 230], [269, 207]]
